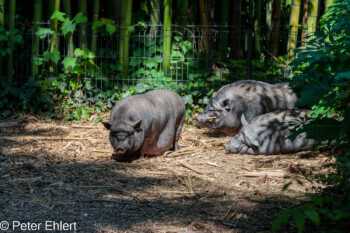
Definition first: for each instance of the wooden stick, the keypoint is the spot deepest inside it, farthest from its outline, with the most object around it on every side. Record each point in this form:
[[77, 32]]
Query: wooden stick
[[47, 138], [176, 192], [275, 58], [189, 166], [101, 151], [189, 184], [277, 173], [83, 126]]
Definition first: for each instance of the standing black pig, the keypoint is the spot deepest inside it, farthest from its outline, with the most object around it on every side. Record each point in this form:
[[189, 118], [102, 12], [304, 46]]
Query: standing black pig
[[248, 97], [147, 124]]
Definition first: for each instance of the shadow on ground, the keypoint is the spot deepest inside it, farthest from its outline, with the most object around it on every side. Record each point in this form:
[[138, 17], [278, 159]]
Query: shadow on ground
[[107, 196]]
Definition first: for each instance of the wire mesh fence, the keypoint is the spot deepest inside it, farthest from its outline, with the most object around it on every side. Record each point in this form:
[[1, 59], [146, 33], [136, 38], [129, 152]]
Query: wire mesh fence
[[197, 51]]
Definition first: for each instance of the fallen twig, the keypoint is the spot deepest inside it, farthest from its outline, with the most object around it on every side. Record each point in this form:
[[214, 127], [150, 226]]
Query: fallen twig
[[189, 166], [47, 138], [275, 58], [277, 173]]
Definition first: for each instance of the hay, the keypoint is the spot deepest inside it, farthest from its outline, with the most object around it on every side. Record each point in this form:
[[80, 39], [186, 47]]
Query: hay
[[54, 172]]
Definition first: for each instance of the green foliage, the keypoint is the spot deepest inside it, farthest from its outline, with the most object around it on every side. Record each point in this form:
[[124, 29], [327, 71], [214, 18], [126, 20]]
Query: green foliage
[[321, 75], [28, 97], [5, 39]]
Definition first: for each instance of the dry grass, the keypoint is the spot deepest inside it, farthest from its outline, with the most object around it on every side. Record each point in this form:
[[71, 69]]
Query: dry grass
[[65, 173]]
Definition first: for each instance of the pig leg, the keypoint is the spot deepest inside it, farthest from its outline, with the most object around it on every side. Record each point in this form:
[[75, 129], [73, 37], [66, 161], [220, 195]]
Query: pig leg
[[177, 134]]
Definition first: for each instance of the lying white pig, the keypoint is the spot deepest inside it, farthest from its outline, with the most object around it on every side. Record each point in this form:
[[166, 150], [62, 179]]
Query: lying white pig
[[268, 134]]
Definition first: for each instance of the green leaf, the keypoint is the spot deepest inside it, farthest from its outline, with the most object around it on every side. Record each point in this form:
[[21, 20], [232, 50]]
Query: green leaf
[[313, 216], [311, 94], [285, 186], [68, 26], [80, 18], [85, 114], [188, 99], [69, 62], [79, 52], [43, 32], [281, 219], [151, 63], [110, 29], [107, 21], [299, 220], [96, 25], [55, 56], [97, 120], [38, 61], [58, 15]]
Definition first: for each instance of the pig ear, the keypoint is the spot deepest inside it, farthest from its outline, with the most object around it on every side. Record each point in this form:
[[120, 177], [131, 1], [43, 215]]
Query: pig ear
[[244, 122], [226, 104], [107, 124], [137, 125]]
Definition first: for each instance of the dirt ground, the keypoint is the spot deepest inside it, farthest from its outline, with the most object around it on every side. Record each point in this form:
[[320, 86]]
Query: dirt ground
[[55, 172]]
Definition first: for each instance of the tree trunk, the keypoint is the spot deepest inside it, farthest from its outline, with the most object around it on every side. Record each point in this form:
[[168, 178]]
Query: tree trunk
[[257, 28], [293, 31], [250, 41], [2, 24], [167, 36], [154, 15], [50, 8], [125, 36], [224, 17], [54, 41], [276, 15], [95, 17], [38, 11], [237, 8], [117, 11], [82, 7], [328, 3], [312, 19], [183, 12], [12, 18], [69, 37], [304, 21], [268, 21], [204, 39]]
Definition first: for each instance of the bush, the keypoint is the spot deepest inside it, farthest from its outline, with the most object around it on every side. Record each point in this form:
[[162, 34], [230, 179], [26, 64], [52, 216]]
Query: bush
[[321, 73]]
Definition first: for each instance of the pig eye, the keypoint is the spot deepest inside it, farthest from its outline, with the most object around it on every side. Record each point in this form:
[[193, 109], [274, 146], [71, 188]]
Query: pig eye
[[121, 136]]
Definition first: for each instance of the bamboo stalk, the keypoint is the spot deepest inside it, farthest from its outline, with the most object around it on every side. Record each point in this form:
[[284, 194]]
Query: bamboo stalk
[[95, 19], [154, 15], [82, 7], [312, 19], [167, 36], [69, 37], [12, 16], [293, 31], [2, 23], [38, 11]]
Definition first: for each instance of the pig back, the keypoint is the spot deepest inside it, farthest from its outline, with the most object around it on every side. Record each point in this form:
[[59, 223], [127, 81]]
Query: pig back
[[156, 109]]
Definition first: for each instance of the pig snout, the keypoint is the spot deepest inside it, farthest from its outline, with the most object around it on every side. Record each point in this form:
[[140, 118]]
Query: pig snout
[[226, 147], [199, 118], [205, 119], [120, 150]]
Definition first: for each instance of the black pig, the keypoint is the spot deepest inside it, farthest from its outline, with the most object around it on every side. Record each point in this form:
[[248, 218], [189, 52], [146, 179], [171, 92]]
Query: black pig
[[147, 124]]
